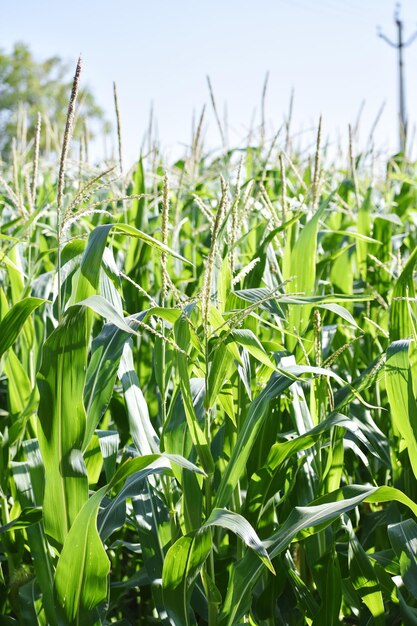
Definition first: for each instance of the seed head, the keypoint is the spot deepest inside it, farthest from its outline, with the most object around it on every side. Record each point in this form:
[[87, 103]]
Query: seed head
[[68, 133]]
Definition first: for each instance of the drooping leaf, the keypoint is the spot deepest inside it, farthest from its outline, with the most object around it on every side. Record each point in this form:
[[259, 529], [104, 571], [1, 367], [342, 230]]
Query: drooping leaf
[[14, 320], [28, 517], [242, 528]]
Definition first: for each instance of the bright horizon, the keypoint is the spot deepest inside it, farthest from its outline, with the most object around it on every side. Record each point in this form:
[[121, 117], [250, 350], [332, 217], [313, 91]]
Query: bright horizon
[[160, 53]]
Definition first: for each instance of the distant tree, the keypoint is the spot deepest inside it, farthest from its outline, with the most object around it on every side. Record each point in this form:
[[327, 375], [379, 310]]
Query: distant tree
[[28, 86]]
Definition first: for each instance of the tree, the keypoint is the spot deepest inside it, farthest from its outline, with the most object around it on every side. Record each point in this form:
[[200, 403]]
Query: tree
[[28, 87]]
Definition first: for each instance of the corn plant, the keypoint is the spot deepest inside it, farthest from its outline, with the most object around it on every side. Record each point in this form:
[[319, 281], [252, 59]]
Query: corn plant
[[208, 388]]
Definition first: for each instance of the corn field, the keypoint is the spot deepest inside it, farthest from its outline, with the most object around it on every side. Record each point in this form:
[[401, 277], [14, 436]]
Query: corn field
[[208, 387]]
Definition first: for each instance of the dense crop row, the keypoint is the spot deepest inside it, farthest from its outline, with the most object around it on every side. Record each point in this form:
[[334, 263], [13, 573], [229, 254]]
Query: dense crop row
[[208, 385]]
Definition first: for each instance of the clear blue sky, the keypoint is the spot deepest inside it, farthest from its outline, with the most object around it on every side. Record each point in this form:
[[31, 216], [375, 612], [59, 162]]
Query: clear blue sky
[[161, 51]]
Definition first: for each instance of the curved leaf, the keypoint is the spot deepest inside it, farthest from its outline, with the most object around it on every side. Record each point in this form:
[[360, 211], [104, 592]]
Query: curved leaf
[[14, 320], [241, 527], [79, 596]]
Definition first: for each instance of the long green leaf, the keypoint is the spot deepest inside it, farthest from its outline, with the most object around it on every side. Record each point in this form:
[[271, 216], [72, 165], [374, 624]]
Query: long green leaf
[[106, 352], [182, 337], [400, 392], [301, 266], [364, 579], [140, 425], [247, 437], [62, 422], [182, 563], [402, 299]]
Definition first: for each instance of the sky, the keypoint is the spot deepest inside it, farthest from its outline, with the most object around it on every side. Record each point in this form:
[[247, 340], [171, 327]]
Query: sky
[[159, 52]]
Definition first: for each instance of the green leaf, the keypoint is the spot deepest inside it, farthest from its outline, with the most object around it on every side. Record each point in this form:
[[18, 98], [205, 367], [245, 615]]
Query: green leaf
[[403, 404], [110, 517], [28, 477], [19, 386], [301, 266], [402, 302], [241, 527], [247, 437], [219, 368], [364, 229], [182, 563], [89, 274], [106, 352], [62, 423], [88, 277], [403, 538], [126, 229], [364, 579], [140, 425], [182, 337], [104, 308], [261, 485], [330, 592], [28, 517], [109, 446], [78, 597], [246, 573], [340, 311], [248, 340], [151, 515], [409, 613], [83, 552], [137, 209], [113, 515], [12, 323]]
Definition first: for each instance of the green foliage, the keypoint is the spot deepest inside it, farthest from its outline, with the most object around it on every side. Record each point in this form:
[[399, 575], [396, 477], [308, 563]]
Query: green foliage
[[239, 447]]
